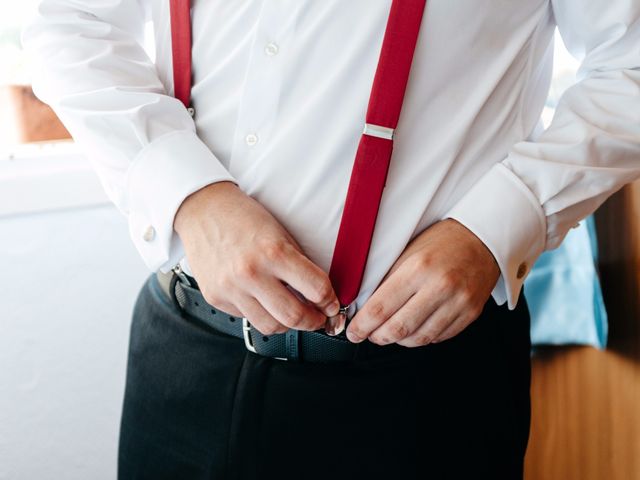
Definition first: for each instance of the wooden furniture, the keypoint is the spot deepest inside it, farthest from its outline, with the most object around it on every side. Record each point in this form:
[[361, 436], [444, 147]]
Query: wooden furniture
[[24, 118], [585, 402]]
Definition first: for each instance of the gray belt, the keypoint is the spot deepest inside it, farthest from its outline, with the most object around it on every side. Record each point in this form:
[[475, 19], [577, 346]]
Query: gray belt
[[294, 345]]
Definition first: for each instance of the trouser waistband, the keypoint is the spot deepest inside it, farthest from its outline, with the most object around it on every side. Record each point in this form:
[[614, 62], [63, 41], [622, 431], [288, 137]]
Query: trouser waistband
[[294, 345]]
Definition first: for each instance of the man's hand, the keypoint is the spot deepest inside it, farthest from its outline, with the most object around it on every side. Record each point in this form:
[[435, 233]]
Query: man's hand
[[242, 258], [437, 287]]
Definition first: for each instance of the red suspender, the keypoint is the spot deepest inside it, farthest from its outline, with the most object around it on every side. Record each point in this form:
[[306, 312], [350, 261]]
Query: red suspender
[[370, 168], [181, 49]]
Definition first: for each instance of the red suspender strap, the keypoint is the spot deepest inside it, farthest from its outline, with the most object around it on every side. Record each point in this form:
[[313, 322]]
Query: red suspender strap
[[370, 168], [181, 49]]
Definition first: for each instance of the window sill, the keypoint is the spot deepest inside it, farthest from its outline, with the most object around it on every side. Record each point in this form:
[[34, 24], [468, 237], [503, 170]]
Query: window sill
[[37, 178]]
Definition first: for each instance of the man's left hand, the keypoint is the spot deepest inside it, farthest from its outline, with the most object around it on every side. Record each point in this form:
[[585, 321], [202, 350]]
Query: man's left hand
[[435, 289]]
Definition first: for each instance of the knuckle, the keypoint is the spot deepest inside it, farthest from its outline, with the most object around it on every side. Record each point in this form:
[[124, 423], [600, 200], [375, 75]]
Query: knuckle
[[323, 289], [211, 296], [267, 328], [398, 330], [247, 269], [376, 311], [422, 263], [274, 250], [447, 282], [293, 316], [423, 339], [467, 296], [225, 282]]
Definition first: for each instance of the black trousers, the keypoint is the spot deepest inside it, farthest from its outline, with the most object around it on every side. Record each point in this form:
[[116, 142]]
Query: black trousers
[[198, 405]]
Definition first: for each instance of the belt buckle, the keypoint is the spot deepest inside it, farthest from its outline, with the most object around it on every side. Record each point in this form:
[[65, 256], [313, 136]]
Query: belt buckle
[[246, 334], [248, 342]]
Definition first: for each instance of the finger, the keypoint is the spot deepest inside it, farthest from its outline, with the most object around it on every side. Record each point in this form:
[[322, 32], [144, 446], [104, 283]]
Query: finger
[[390, 296], [286, 308], [444, 316], [224, 306], [468, 316], [406, 320], [259, 318], [310, 280], [457, 326]]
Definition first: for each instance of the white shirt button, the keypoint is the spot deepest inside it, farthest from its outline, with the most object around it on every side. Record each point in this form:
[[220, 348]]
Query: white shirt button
[[149, 234], [271, 49], [251, 139]]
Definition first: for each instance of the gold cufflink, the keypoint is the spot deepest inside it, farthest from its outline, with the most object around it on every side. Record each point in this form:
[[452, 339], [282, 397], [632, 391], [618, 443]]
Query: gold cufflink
[[522, 270]]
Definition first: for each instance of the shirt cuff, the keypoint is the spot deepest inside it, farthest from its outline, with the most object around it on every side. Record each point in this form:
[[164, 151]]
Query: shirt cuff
[[502, 212], [166, 172]]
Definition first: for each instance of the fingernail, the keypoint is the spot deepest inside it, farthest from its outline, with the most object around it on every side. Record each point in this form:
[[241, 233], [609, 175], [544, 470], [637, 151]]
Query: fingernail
[[333, 309], [353, 337], [380, 341]]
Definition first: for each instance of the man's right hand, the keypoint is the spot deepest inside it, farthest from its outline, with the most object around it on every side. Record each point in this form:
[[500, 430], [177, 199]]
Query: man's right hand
[[243, 258]]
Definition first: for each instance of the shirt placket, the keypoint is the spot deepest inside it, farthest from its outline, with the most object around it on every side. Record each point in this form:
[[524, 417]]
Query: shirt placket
[[262, 85]]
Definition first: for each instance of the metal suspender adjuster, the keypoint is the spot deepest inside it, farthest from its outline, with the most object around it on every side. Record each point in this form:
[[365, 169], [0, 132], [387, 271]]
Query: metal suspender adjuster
[[192, 111], [177, 276], [177, 270], [378, 131]]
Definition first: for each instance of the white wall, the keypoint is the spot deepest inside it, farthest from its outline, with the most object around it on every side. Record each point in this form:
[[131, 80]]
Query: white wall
[[68, 280]]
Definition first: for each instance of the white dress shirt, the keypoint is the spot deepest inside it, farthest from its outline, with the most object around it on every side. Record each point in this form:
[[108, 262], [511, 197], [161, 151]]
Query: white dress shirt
[[281, 90]]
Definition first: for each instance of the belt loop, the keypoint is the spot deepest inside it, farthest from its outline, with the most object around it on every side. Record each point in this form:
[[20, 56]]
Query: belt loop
[[292, 340]]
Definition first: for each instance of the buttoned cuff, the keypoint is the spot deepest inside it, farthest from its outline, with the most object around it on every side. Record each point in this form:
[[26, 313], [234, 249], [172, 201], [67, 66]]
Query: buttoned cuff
[[502, 212], [166, 172]]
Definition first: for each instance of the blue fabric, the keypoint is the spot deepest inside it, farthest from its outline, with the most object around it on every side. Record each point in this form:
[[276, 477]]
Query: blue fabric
[[564, 295]]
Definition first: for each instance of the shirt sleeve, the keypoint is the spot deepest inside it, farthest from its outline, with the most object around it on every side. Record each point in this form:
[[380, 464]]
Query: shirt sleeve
[[527, 203], [91, 67]]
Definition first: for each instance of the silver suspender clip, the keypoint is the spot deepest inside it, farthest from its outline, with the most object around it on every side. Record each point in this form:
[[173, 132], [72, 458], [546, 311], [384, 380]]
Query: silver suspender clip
[[192, 111], [335, 325], [181, 275], [378, 131], [177, 276]]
